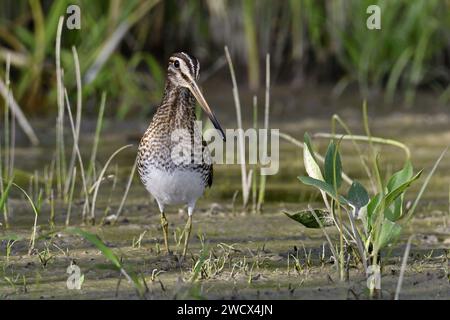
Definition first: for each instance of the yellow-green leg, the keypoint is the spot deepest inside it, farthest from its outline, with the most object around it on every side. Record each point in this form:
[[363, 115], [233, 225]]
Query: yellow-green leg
[[165, 227], [187, 233]]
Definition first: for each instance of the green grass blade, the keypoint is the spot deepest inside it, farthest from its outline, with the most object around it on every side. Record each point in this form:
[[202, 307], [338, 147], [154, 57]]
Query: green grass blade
[[5, 194], [96, 241], [394, 194], [112, 257]]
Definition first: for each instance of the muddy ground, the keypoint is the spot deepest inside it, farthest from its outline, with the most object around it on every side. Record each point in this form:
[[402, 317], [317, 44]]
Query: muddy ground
[[249, 255]]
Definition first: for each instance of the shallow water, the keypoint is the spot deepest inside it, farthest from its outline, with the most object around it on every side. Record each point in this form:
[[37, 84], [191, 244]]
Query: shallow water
[[258, 249]]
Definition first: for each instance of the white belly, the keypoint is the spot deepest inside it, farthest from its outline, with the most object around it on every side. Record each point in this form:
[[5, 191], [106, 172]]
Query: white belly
[[178, 187]]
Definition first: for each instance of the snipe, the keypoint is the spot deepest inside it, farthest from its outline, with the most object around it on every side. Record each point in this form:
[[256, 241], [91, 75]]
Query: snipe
[[168, 178]]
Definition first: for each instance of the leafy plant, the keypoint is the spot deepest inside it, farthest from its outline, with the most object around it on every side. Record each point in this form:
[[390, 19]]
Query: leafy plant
[[27, 34], [112, 257], [386, 205], [408, 52], [369, 221]]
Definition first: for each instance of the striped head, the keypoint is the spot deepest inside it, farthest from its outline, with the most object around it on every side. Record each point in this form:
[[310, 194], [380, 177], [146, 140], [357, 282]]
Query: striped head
[[183, 69], [183, 72]]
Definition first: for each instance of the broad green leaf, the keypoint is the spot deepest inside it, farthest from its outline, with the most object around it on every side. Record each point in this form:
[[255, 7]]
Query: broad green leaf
[[400, 177], [306, 218], [323, 186], [333, 165], [95, 240], [394, 194], [395, 210], [309, 160], [389, 232], [308, 143], [358, 197]]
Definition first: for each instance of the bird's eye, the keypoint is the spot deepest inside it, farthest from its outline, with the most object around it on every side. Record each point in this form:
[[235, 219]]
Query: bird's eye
[[176, 64]]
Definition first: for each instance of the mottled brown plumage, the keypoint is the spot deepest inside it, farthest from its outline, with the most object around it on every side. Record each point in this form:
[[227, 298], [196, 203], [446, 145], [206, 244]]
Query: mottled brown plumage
[[176, 112], [173, 132]]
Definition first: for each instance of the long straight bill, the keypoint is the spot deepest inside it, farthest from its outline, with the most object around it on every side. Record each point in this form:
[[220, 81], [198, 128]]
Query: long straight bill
[[201, 100]]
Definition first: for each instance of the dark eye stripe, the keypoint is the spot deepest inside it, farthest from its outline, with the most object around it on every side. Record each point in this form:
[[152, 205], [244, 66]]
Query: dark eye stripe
[[196, 67], [184, 77], [189, 62]]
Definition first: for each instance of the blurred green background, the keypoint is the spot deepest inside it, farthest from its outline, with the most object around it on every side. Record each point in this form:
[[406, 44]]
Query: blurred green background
[[309, 40]]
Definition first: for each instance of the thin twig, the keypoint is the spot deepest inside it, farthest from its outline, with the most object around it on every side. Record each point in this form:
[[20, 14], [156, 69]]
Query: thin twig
[[77, 118], [21, 119], [330, 243], [366, 139], [403, 268], [262, 184], [60, 154], [125, 195], [237, 103], [424, 185], [102, 173], [80, 160]]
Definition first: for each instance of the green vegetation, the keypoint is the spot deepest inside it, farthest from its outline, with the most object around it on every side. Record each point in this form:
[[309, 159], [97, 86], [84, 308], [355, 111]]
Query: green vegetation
[[382, 214], [113, 258], [123, 45], [116, 65]]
